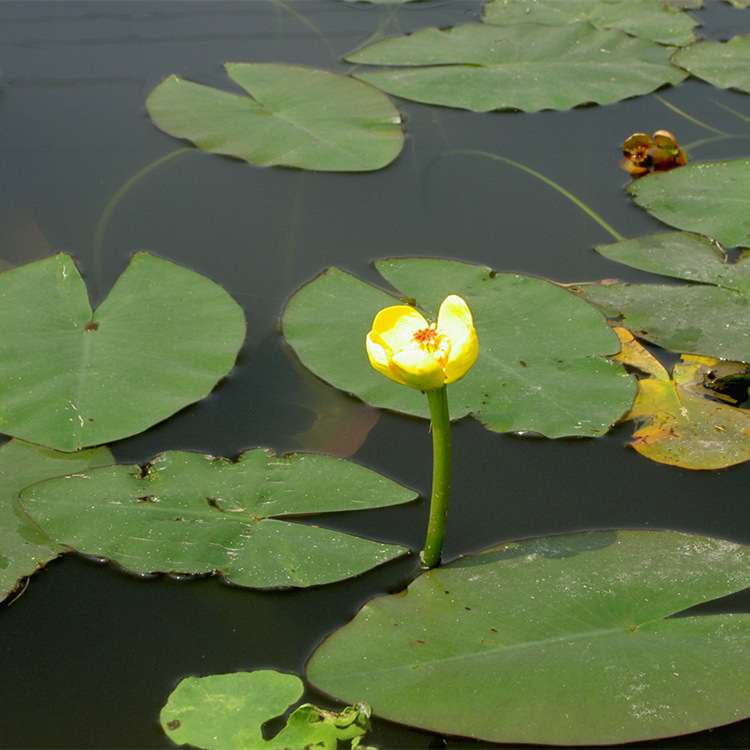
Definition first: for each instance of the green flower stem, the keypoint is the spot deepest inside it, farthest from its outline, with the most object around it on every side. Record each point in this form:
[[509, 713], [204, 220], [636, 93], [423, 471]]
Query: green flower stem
[[441, 477]]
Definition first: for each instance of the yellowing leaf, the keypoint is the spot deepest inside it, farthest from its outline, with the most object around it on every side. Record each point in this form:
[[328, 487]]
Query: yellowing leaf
[[679, 423]]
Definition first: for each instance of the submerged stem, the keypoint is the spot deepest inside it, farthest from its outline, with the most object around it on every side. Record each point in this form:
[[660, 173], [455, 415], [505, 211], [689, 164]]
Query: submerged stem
[[118, 196], [560, 189], [441, 477]]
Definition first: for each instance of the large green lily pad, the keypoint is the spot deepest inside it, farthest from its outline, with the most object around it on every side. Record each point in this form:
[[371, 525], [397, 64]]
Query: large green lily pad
[[71, 378], [567, 640], [709, 318], [196, 514], [298, 117], [710, 198], [648, 19], [723, 64], [23, 547], [541, 365], [523, 66]]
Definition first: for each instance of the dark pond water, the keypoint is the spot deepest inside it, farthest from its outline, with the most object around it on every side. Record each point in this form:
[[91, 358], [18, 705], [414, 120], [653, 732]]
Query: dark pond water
[[88, 655]]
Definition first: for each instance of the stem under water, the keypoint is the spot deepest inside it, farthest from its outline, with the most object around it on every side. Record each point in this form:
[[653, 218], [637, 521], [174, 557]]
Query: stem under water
[[441, 477], [560, 189]]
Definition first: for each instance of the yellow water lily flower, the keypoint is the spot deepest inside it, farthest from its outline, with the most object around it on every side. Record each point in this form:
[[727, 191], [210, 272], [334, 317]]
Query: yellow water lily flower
[[403, 346]]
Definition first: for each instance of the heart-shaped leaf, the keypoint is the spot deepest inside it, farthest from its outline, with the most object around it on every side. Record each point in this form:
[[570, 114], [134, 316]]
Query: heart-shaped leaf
[[710, 198], [682, 421], [196, 514], [708, 318], [228, 711], [71, 378], [648, 19], [541, 364], [523, 66], [723, 64], [566, 640], [23, 547], [298, 117]]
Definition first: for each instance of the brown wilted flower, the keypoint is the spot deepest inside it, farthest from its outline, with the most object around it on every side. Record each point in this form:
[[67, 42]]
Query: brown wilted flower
[[659, 153]]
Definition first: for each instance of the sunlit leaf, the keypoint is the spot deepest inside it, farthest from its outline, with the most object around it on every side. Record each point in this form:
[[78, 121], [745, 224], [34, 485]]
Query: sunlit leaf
[[228, 711], [71, 378], [566, 640], [709, 318], [298, 117], [681, 421], [723, 64], [523, 66], [196, 514], [23, 547], [648, 19], [541, 364], [711, 198]]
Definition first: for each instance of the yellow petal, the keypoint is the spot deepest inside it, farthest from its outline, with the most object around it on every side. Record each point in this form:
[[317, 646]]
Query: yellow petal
[[462, 357], [397, 325], [454, 318], [378, 354], [418, 369], [456, 322]]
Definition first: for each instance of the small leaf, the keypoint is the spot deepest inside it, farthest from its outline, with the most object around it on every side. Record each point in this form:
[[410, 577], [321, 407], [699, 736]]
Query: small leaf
[[196, 514], [71, 378], [710, 198], [23, 547], [696, 318], [541, 364], [723, 64], [525, 66], [648, 19], [298, 117], [681, 423], [566, 640], [227, 711]]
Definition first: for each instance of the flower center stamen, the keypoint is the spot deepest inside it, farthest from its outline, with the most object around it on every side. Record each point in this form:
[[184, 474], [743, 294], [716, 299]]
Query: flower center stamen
[[427, 338]]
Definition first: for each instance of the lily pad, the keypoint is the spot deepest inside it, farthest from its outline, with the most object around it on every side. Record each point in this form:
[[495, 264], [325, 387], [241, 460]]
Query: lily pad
[[23, 547], [524, 66], [648, 19], [541, 365], [195, 514], [710, 198], [723, 64], [71, 378], [682, 421], [567, 640], [298, 117], [228, 711], [709, 318]]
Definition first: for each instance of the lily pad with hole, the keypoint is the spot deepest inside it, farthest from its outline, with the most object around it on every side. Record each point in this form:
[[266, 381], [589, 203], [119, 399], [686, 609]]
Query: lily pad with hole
[[648, 19], [566, 640], [542, 363], [530, 67], [71, 377], [709, 318], [722, 64], [710, 198], [23, 547], [297, 117], [195, 514]]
